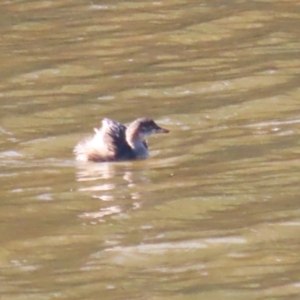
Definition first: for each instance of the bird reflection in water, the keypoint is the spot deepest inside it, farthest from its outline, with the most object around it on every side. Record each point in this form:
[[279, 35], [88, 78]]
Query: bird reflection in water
[[110, 182]]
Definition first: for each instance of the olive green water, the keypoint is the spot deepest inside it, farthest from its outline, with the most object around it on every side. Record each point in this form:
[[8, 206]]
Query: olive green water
[[214, 213]]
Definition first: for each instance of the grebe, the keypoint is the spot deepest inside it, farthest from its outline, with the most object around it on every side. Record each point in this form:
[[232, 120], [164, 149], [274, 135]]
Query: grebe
[[114, 141]]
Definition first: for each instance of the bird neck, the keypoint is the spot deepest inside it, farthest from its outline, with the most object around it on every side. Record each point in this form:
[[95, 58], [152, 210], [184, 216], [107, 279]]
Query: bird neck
[[137, 144]]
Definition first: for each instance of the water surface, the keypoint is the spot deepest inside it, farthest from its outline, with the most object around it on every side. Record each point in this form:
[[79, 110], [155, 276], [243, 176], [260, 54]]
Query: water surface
[[214, 213]]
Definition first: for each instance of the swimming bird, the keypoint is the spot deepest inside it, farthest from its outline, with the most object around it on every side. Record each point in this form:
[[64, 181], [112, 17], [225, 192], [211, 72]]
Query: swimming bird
[[114, 141]]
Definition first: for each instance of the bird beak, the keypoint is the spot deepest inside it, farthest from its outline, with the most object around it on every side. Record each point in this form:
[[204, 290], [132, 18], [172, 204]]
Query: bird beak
[[161, 130]]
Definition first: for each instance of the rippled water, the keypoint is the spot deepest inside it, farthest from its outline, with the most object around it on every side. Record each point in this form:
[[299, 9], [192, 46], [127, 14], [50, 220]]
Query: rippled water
[[214, 213]]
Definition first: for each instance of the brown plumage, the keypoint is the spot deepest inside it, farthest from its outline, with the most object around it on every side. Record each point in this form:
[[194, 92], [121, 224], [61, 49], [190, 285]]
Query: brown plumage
[[114, 141]]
